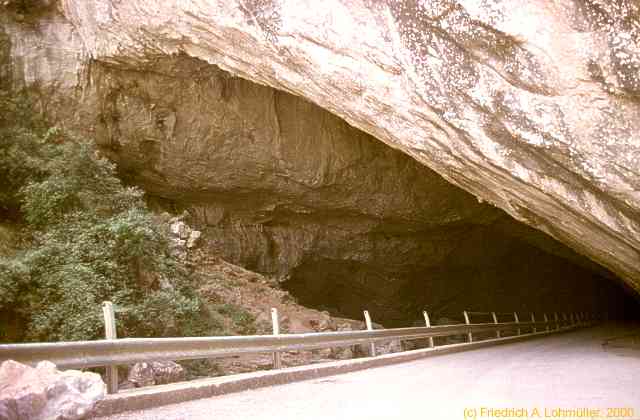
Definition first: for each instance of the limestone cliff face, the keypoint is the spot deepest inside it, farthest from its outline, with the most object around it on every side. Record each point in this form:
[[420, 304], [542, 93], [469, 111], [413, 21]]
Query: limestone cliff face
[[534, 109]]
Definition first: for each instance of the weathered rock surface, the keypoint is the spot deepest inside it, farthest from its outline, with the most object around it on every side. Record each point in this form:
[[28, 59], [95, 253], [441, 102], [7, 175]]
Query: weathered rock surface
[[538, 119], [44, 393], [533, 108]]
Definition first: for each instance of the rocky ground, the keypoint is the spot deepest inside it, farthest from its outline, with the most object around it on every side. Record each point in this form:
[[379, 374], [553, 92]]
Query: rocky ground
[[241, 300], [228, 284]]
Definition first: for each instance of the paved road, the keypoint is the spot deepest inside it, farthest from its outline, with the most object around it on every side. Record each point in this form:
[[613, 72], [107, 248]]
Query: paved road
[[568, 371]]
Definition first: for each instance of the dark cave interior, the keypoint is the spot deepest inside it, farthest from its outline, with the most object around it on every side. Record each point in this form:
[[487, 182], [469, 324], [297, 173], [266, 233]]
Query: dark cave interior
[[517, 278]]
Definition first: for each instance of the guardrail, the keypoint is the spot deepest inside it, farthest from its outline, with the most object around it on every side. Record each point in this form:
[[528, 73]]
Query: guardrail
[[113, 352]]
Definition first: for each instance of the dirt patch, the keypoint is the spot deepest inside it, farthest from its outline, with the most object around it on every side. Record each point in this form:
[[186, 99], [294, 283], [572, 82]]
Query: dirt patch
[[230, 288]]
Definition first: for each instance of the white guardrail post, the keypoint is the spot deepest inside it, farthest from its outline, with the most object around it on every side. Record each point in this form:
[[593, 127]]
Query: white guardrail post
[[515, 318], [495, 321], [372, 345], [555, 318], [533, 319], [427, 323], [546, 321], [276, 331], [466, 321], [110, 334]]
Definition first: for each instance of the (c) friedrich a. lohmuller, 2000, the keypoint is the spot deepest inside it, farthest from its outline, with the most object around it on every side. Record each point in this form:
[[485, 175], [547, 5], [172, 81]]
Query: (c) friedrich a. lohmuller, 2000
[[548, 412]]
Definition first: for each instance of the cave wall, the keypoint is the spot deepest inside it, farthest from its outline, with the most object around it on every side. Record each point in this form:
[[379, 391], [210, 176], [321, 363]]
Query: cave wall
[[286, 188], [272, 178]]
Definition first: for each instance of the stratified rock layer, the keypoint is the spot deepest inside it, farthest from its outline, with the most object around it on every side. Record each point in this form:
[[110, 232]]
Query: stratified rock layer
[[533, 109]]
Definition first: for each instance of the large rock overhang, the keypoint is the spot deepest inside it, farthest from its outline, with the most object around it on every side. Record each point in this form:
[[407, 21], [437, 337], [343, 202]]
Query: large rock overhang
[[533, 109]]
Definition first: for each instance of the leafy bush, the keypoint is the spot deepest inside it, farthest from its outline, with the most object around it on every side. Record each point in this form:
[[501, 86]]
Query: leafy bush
[[89, 239]]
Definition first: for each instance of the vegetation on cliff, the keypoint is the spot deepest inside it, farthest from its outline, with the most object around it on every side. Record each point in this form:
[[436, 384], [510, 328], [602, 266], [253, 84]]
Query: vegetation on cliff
[[84, 238]]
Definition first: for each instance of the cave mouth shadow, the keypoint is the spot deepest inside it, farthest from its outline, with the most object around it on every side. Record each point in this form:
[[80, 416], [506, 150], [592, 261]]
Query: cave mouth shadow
[[523, 279]]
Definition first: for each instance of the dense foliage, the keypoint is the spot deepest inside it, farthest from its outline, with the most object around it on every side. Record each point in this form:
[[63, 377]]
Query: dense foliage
[[85, 238]]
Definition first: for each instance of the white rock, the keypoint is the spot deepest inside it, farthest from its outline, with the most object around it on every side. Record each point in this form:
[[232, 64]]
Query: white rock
[[44, 392], [180, 229], [194, 236]]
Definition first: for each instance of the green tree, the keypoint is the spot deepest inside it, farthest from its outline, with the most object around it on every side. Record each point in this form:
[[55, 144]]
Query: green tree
[[88, 238]]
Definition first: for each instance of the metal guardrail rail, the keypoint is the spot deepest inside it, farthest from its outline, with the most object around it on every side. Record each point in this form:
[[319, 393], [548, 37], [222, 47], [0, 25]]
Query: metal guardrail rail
[[83, 354], [111, 352]]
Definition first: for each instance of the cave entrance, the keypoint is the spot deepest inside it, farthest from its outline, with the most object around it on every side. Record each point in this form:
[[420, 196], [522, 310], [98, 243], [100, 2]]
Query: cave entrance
[[283, 187]]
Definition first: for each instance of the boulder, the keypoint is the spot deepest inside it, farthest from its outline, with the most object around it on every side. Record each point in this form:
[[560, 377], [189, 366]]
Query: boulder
[[43, 392], [155, 373]]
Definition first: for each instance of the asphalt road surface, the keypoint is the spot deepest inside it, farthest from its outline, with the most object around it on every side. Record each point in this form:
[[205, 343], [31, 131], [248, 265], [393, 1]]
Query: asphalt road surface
[[583, 371]]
